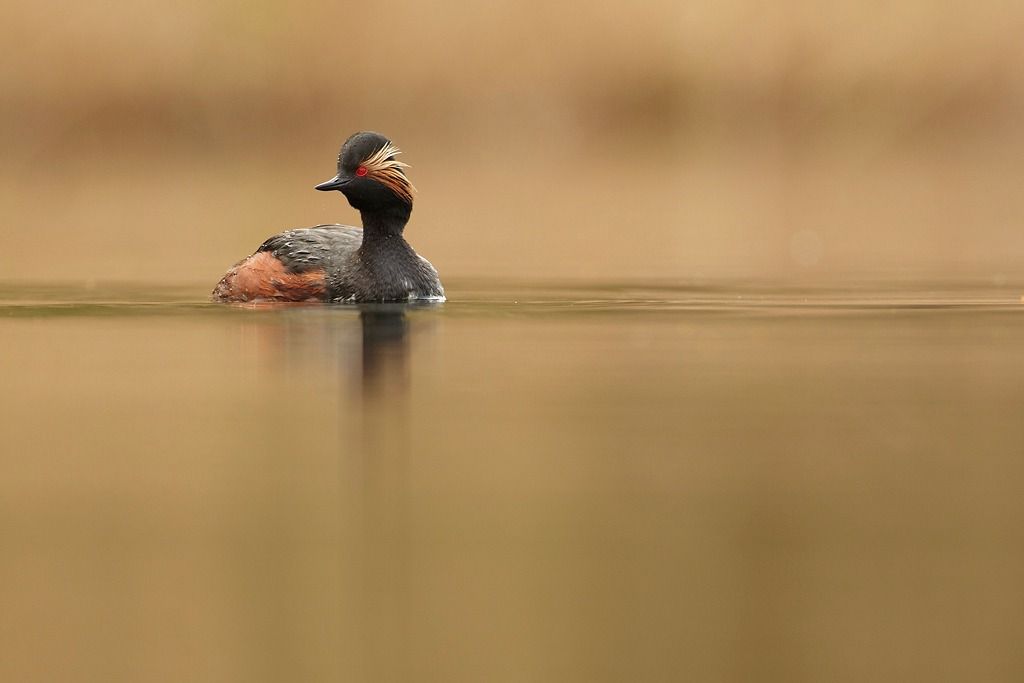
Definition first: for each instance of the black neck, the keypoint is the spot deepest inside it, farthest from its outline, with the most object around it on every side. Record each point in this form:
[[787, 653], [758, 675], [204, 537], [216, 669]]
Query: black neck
[[386, 223]]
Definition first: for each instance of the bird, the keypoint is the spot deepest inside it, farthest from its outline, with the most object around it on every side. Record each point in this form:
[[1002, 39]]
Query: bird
[[341, 263]]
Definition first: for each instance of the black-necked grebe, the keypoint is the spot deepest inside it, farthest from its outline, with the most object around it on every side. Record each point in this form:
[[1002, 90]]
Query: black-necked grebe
[[339, 262]]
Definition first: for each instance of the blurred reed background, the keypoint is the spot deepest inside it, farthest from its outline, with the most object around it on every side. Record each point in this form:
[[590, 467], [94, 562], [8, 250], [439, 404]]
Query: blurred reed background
[[162, 141]]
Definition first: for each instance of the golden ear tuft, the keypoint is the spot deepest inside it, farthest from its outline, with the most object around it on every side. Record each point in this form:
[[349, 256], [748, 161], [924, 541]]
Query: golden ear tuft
[[385, 169]]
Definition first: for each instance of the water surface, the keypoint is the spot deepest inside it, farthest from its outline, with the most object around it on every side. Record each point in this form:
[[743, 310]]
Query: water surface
[[580, 482]]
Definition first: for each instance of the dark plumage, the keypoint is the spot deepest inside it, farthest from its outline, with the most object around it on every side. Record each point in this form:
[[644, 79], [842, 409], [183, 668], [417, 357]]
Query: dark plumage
[[340, 262]]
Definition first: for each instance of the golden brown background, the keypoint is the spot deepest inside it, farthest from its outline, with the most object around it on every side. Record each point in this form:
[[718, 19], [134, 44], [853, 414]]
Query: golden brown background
[[162, 141], [588, 482]]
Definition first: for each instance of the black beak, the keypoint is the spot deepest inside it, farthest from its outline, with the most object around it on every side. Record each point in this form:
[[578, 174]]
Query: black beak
[[335, 183]]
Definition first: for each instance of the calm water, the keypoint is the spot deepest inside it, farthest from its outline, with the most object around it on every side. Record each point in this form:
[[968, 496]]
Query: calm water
[[616, 483]]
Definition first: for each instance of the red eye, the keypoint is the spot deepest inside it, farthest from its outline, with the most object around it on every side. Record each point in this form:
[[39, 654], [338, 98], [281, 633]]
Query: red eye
[[361, 171]]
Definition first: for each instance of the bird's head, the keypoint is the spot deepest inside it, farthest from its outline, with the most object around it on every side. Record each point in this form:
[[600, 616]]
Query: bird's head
[[369, 175]]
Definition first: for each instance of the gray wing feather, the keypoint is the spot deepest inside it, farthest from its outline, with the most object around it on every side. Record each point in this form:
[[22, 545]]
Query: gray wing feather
[[313, 248]]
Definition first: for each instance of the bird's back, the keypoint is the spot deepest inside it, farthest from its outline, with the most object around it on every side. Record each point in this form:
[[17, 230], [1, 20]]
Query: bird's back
[[291, 266]]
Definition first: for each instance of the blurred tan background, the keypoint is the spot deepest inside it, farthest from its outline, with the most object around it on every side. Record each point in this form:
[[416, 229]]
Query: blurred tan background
[[163, 141]]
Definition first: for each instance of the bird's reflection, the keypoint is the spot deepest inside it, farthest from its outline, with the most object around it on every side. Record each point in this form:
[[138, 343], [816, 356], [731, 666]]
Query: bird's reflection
[[365, 347], [362, 357], [385, 354]]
